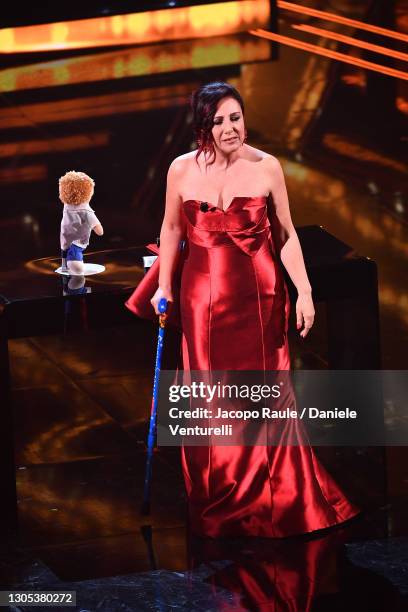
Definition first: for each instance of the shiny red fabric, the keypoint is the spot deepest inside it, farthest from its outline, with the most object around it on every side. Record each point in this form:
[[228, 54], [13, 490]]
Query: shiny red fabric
[[139, 301], [234, 309]]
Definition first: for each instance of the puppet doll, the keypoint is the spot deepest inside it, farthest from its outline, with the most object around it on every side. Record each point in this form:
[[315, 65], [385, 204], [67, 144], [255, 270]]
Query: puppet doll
[[78, 220]]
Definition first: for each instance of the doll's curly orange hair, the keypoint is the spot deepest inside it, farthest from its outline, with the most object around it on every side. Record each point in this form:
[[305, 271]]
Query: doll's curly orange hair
[[75, 188]]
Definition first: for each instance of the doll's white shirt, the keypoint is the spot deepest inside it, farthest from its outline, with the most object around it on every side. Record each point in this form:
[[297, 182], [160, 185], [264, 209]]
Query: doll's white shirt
[[76, 225]]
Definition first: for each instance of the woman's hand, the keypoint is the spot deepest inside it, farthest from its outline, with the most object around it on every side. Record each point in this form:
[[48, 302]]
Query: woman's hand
[[305, 313], [160, 293]]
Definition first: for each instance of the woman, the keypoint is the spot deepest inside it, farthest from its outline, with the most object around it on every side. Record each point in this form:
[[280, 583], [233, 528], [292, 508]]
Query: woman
[[234, 310]]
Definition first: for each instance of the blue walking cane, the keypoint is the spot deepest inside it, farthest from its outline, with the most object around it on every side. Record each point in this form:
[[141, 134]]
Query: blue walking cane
[[162, 307]]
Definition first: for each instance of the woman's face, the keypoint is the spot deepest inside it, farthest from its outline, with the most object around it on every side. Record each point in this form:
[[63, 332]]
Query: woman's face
[[228, 125]]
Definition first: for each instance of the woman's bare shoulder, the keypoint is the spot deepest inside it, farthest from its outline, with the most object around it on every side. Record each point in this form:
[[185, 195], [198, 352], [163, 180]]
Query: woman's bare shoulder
[[272, 164], [257, 155], [183, 162]]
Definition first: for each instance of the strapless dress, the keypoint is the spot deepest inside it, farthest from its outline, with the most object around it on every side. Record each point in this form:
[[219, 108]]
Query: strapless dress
[[233, 308]]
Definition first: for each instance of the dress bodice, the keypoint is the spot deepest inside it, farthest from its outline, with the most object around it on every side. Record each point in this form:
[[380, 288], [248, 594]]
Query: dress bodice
[[244, 223]]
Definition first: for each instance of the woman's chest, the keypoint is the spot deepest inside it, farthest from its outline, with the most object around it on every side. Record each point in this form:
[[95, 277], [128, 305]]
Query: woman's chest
[[220, 188]]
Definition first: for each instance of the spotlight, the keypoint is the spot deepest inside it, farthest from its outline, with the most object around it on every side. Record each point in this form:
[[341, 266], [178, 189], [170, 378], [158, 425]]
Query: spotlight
[[373, 188], [398, 202]]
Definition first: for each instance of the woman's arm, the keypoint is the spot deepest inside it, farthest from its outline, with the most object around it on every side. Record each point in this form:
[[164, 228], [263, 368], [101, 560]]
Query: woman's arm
[[291, 252], [172, 231]]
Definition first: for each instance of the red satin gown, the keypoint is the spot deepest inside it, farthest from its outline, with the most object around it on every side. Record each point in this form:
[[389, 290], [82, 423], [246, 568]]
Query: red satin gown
[[234, 309]]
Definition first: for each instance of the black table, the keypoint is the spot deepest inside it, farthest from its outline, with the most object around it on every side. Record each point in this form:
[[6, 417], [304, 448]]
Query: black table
[[35, 301]]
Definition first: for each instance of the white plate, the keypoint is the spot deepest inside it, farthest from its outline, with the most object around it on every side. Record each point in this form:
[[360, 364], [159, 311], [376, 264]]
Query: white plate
[[148, 260], [89, 269]]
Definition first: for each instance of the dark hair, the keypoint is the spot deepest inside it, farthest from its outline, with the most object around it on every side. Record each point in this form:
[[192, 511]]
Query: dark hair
[[204, 102]]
